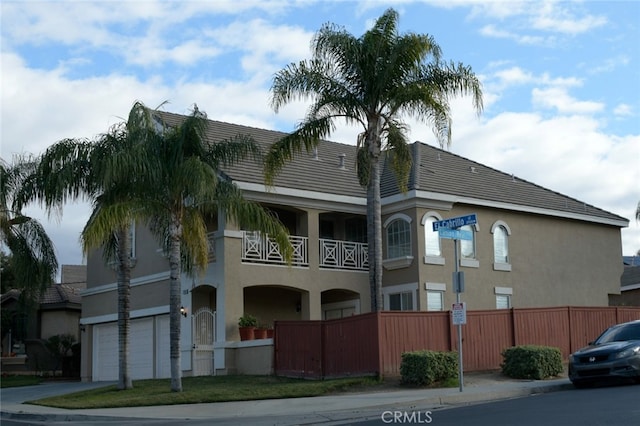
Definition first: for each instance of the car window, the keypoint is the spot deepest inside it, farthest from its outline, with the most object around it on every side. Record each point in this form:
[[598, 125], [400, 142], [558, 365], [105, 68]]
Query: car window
[[620, 334]]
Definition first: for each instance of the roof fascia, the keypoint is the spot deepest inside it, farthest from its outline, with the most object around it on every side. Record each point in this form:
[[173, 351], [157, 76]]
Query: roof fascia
[[427, 199], [504, 206]]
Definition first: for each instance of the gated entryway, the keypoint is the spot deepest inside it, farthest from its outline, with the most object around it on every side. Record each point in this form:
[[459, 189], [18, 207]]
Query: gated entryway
[[203, 327]]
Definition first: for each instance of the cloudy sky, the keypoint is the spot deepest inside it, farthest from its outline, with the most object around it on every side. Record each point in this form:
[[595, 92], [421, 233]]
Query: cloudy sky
[[561, 80]]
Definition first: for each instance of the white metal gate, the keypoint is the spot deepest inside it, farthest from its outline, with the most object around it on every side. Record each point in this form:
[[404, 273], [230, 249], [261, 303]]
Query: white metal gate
[[203, 326]]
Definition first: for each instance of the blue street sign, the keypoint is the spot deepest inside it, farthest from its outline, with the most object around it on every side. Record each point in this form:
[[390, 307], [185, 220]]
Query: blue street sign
[[456, 222], [455, 234]]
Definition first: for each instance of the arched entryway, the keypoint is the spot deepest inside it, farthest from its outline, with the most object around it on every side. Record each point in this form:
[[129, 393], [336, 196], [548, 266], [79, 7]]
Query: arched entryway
[[339, 303], [203, 330]]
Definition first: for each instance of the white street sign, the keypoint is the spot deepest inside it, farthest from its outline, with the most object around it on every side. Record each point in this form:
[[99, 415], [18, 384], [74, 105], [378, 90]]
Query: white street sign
[[459, 313]]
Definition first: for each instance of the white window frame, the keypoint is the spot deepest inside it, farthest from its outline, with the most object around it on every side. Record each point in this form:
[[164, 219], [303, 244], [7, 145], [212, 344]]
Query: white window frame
[[347, 304], [431, 259], [470, 262], [400, 261], [399, 289], [435, 288], [503, 293], [497, 265]]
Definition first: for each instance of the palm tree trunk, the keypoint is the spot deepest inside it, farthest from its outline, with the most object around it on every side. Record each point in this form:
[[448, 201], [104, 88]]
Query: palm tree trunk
[[374, 216], [124, 326], [175, 231]]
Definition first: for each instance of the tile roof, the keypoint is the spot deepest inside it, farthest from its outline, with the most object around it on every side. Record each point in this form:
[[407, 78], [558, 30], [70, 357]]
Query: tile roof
[[60, 293], [630, 276], [54, 294], [436, 172]]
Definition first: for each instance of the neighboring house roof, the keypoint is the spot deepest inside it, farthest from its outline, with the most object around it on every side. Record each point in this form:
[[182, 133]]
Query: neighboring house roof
[[9, 295], [60, 294], [630, 279], [437, 174]]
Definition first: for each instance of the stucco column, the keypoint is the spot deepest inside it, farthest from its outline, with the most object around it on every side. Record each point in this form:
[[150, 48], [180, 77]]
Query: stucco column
[[311, 307], [313, 234]]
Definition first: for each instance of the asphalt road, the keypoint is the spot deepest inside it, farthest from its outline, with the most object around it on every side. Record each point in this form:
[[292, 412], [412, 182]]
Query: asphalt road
[[612, 405], [606, 406]]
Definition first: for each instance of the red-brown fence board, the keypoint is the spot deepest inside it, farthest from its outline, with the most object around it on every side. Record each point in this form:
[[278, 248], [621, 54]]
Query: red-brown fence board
[[411, 331], [543, 326], [298, 348], [373, 343], [485, 335], [587, 323], [627, 314], [350, 346]]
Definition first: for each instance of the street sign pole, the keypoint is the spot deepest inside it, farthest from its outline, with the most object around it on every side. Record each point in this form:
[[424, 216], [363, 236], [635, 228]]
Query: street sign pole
[[460, 370]]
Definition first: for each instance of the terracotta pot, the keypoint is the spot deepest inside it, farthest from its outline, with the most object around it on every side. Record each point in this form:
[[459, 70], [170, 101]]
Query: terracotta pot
[[269, 333], [260, 333], [246, 333]]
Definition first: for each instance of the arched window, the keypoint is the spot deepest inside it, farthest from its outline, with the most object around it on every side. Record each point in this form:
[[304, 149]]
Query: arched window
[[398, 236], [432, 249], [501, 232], [468, 247]]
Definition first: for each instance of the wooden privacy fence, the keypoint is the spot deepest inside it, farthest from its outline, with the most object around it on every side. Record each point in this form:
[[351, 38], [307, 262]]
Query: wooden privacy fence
[[371, 344]]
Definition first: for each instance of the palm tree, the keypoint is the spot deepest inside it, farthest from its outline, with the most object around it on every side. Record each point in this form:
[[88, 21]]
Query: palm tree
[[99, 171], [371, 81], [33, 260], [179, 183]]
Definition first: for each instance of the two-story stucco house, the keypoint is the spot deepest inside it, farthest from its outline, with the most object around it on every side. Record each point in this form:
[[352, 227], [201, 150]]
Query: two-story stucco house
[[531, 247]]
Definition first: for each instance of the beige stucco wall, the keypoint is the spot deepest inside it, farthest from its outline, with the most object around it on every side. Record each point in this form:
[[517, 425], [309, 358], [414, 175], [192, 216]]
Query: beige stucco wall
[[554, 261], [148, 261], [59, 322], [142, 296]]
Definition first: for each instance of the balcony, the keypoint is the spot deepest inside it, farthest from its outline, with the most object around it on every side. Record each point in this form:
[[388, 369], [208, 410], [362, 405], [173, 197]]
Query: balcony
[[259, 248], [334, 254]]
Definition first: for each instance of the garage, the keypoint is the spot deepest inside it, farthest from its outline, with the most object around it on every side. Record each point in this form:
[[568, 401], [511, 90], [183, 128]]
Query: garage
[[141, 351]]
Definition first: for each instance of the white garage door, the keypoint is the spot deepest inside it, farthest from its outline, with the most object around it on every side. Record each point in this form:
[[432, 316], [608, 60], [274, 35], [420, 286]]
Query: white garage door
[[163, 361], [105, 350]]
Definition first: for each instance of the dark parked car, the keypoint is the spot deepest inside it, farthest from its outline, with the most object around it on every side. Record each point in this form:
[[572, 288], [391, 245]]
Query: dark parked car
[[613, 355]]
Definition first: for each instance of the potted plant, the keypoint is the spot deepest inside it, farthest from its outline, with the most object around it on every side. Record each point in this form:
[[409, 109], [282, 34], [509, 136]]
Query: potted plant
[[270, 332], [247, 325], [260, 332]]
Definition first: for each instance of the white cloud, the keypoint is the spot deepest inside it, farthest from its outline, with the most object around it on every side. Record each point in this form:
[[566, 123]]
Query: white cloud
[[554, 17], [610, 64], [492, 31], [559, 99], [623, 110]]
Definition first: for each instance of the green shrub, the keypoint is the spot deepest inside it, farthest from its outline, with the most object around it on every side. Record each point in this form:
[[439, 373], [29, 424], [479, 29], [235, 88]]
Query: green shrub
[[247, 320], [531, 362], [428, 367]]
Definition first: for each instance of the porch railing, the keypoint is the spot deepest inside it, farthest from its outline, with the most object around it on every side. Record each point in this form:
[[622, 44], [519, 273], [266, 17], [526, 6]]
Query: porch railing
[[336, 254], [259, 248]]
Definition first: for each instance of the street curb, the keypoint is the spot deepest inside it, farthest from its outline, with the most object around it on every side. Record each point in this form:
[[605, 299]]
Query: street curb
[[327, 417]]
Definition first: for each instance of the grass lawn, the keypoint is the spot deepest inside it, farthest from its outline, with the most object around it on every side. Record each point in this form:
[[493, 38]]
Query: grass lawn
[[207, 389], [19, 380]]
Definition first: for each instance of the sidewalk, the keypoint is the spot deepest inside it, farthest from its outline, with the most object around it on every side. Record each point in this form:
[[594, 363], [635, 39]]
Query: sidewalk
[[333, 409]]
